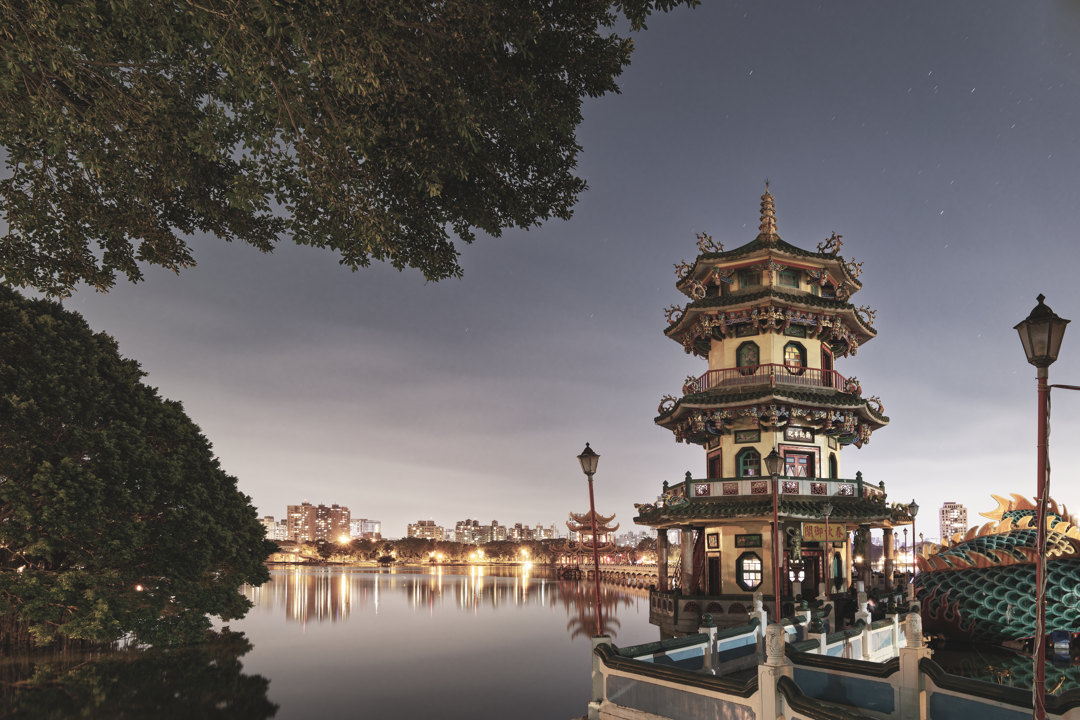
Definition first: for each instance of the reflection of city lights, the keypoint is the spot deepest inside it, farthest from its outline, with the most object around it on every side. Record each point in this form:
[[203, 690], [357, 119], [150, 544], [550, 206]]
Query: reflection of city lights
[[320, 594]]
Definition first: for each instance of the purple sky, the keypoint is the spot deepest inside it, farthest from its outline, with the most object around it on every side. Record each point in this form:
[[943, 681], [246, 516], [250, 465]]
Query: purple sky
[[940, 139]]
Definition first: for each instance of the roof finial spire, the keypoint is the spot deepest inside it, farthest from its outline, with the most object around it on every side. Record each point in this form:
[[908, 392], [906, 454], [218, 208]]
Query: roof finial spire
[[767, 229]]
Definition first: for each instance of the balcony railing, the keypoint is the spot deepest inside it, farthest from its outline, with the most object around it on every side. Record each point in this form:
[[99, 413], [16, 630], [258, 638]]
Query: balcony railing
[[770, 374]]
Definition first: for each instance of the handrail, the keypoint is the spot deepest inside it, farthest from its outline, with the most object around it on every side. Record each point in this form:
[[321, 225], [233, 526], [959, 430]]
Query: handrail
[[848, 665], [813, 708], [651, 648], [668, 673], [769, 373]]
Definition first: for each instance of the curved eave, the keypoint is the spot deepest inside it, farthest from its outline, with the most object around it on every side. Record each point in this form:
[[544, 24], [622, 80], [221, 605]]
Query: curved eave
[[801, 300], [845, 510], [706, 262], [824, 398]]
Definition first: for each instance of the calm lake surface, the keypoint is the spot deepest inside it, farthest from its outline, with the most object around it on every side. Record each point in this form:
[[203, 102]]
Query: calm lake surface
[[444, 643]]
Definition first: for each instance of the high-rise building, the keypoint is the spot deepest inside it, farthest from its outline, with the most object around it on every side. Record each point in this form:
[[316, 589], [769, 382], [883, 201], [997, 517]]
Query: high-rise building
[[300, 522], [426, 530], [275, 530], [466, 531], [953, 519], [310, 523], [365, 528]]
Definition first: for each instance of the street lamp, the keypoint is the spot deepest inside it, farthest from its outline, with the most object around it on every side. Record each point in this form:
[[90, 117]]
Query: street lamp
[[589, 459], [913, 509], [904, 552], [1040, 334], [826, 510], [772, 464]]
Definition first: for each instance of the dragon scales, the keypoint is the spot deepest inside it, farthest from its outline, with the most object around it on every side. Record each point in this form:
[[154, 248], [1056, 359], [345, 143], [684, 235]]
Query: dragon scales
[[982, 587]]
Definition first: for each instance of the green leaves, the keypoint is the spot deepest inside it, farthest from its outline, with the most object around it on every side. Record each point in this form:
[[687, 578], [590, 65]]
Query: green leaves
[[373, 129], [115, 517]]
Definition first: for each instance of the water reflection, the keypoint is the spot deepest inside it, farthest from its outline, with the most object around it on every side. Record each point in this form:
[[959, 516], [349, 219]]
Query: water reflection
[[195, 682], [323, 594]]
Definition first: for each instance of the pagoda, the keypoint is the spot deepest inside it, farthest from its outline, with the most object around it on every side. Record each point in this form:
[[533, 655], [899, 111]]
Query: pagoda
[[771, 319], [582, 526]]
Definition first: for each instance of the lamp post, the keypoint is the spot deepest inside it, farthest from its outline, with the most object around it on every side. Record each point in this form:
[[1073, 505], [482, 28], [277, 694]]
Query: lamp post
[[1040, 334], [913, 508], [588, 459], [772, 464], [826, 510]]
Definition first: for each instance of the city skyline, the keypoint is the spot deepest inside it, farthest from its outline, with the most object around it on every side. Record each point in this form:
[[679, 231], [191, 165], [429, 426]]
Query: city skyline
[[938, 140]]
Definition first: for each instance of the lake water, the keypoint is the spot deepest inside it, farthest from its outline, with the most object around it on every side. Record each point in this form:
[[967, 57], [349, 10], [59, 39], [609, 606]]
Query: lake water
[[428, 642], [448, 643]]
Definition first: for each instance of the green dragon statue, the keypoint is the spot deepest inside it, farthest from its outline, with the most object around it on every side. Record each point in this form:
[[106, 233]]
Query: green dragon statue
[[981, 587]]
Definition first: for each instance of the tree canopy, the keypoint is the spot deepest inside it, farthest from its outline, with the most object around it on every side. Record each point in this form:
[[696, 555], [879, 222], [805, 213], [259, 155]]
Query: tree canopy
[[380, 130], [115, 516]]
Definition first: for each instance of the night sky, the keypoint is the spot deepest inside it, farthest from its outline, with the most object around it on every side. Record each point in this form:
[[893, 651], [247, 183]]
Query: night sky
[[942, 140]]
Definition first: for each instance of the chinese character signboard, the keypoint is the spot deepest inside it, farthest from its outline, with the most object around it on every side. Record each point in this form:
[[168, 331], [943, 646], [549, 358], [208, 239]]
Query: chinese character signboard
[[798, 434], [815, 532], [747, 541]]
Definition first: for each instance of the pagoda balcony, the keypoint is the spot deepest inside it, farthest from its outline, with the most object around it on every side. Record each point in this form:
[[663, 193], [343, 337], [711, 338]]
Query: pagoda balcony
[[712, 489], [770, 374]]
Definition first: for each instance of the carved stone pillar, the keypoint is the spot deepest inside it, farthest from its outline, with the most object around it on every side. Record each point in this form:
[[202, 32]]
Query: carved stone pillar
[[862, 549], [888, 546], [686, 580], [661, 561]]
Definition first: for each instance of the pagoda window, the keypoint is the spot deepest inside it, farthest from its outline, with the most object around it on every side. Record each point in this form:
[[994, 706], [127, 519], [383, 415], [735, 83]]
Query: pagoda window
[[749, 279], [795, 357], [828, 291], [748, 357], [834, 470], [789, 278], [748, 463], [814, 289], [799, 465], [749, 571]]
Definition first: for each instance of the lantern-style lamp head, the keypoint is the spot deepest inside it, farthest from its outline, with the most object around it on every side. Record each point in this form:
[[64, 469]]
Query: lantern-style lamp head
[[772, 463], [913, 509], [588, 459], [827, 509], [1041, 333]]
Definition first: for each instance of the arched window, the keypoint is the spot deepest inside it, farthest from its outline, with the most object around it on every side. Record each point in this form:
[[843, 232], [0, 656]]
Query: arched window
[[748, 357], [834, 471], [748, 571], [748, 463], [795, 358]]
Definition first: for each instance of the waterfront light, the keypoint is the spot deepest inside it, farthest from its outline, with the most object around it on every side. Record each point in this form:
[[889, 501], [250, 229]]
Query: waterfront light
[[589, 460], [1041, 333]]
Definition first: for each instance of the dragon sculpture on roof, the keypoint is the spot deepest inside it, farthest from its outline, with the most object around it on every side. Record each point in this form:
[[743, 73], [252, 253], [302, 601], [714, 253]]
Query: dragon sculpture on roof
[[982, 586]]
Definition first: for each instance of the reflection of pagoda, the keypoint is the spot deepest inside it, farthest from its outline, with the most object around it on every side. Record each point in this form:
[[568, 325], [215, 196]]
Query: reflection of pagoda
[[770, 318], [581, 525]]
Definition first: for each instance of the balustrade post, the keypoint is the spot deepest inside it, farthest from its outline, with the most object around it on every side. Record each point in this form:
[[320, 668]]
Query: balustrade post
[[913, 701], [775, 666], [597, 678]]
